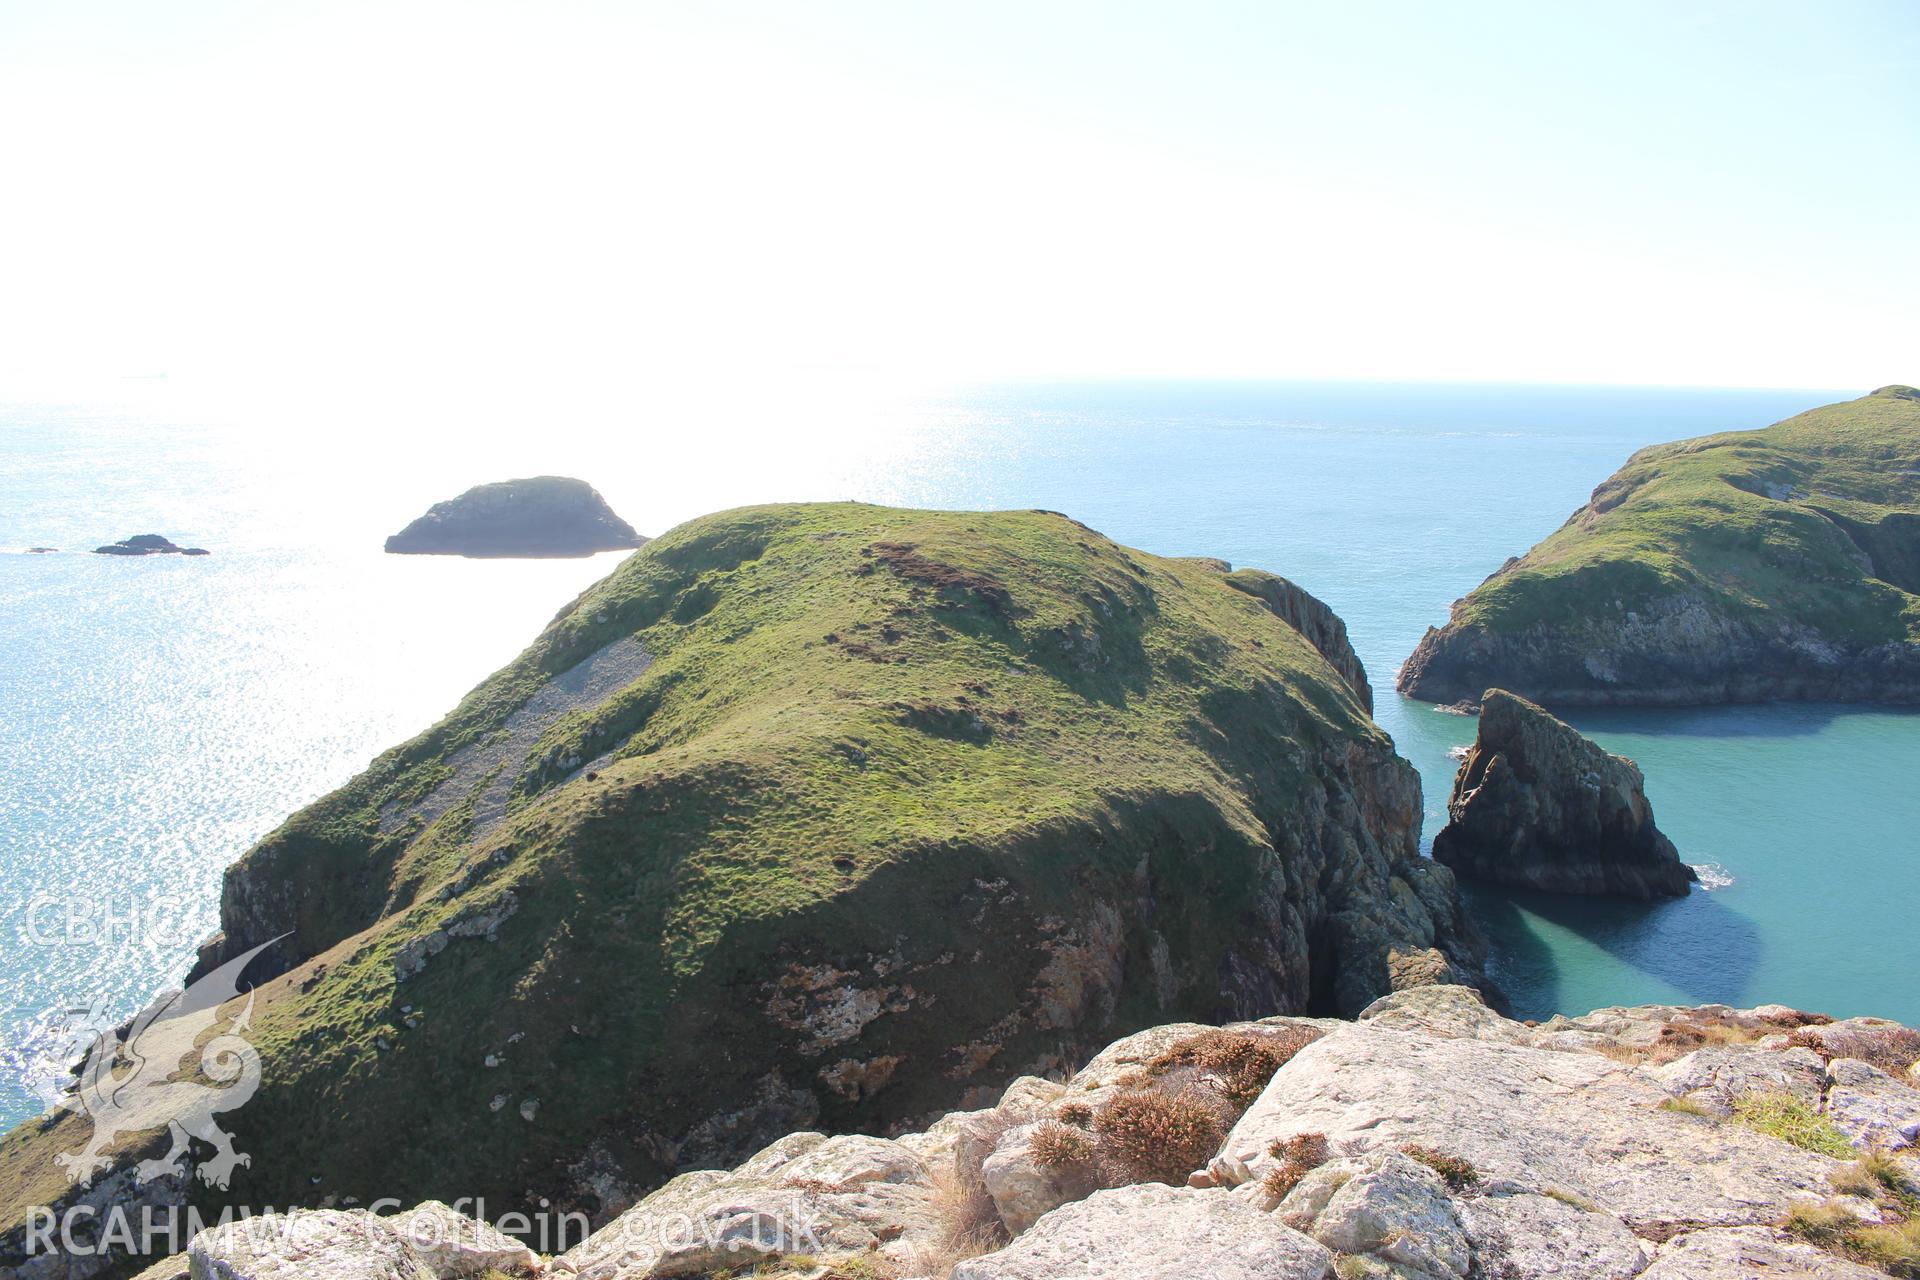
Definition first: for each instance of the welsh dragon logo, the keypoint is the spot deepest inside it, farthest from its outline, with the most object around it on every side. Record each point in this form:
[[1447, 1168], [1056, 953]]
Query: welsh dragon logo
[[128, 1085]]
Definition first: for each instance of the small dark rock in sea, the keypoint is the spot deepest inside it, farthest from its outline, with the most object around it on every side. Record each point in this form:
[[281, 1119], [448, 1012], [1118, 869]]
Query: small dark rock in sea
[[41, 551], [148, 544], [540, 517]]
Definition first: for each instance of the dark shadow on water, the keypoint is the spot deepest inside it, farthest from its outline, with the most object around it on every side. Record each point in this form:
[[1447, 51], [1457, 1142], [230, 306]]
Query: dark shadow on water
[[1694, 945], [1755, 720]]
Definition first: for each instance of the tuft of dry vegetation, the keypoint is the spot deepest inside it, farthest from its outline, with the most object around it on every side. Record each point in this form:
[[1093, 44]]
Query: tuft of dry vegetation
[[1454, 1171], [1077, 1114], [1241, 1062], [1156, 1136], [1298, 1156], [1685, 1107], [1893, 1050], [969, 1224], [1055, 1145]]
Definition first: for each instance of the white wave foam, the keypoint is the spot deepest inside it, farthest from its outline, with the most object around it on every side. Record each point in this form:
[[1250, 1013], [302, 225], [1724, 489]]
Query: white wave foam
[[1712, 875], [1459, 753]]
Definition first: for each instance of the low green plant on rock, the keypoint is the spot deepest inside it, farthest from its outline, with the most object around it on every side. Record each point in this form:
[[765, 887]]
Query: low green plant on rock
[[1685, 1107], [1454, 1171], [1782, 1116]]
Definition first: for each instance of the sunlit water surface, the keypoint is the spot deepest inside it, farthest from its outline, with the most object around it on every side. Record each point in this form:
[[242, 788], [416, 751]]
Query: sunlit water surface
[[158, 715]]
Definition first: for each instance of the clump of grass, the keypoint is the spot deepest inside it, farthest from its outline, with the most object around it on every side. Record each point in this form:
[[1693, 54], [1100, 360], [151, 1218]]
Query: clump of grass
[[1055, 1145], [1826, 1224], [1878, 1176], [858, 1268], [1685, 1107], [1893, 1247], [1154, 1136], [1782, 1116], [1298, 1156], [1454, 1171], [1242, 1061]]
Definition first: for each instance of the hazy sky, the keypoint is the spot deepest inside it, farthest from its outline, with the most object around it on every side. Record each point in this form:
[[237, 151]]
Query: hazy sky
[[594, 194]]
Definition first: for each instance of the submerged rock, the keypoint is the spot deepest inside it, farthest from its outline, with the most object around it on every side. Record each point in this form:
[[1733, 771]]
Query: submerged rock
[[1537, 805], [543, 517], [142, 544]]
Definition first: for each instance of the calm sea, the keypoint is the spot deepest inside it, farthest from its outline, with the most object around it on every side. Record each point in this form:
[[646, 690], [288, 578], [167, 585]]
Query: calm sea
[[159, 715]]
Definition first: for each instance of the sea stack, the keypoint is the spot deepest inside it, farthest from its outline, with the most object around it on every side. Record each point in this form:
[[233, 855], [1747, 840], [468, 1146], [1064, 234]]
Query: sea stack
[[1537, 805], [541, 517]]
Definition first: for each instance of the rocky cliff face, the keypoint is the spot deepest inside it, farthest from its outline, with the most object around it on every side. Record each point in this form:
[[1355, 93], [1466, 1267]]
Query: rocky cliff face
[[1305, 613], [1742, 567], [1536, 804], [539, 517], [814, 817], [1429, 1140]]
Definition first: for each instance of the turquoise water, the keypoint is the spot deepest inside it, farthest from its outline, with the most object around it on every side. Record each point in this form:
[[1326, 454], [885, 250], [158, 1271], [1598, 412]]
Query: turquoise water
[[157, 716]]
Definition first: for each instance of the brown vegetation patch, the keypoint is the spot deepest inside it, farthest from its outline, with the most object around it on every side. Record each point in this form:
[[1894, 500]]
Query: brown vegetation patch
[[908, 563], [1242, 1062], [1152, 1136]]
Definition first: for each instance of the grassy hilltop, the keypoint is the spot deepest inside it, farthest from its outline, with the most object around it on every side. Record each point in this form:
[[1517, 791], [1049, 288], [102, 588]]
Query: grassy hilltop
[[815, 815], [1743, 566]]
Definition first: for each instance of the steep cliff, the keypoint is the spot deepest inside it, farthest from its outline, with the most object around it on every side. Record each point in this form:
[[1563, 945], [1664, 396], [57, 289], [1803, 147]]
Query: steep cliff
[[814, 816], [1536, 804], [1748, 566]]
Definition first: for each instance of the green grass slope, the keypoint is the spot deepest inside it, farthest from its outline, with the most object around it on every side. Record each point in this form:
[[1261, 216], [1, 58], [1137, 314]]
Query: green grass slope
[[1744, 566], [905, 803]]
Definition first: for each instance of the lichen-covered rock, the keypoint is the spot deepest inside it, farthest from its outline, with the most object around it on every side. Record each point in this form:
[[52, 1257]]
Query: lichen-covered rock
[[1717, 1078], [1154, 1232], [1871, 1107], [1536, 804], [1024, 1187], [1523, 1235], [807, 1194], [1579, 1123], [1747, 1253], [1399, 1211], [310, 1244], [454, 1245]]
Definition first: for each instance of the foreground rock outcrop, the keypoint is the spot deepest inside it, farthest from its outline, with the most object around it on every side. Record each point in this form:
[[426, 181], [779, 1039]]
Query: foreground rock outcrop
[[141, 544], [811, 818], [539, 517], [1748, 566], [1431, 1139], [1536, 804]]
